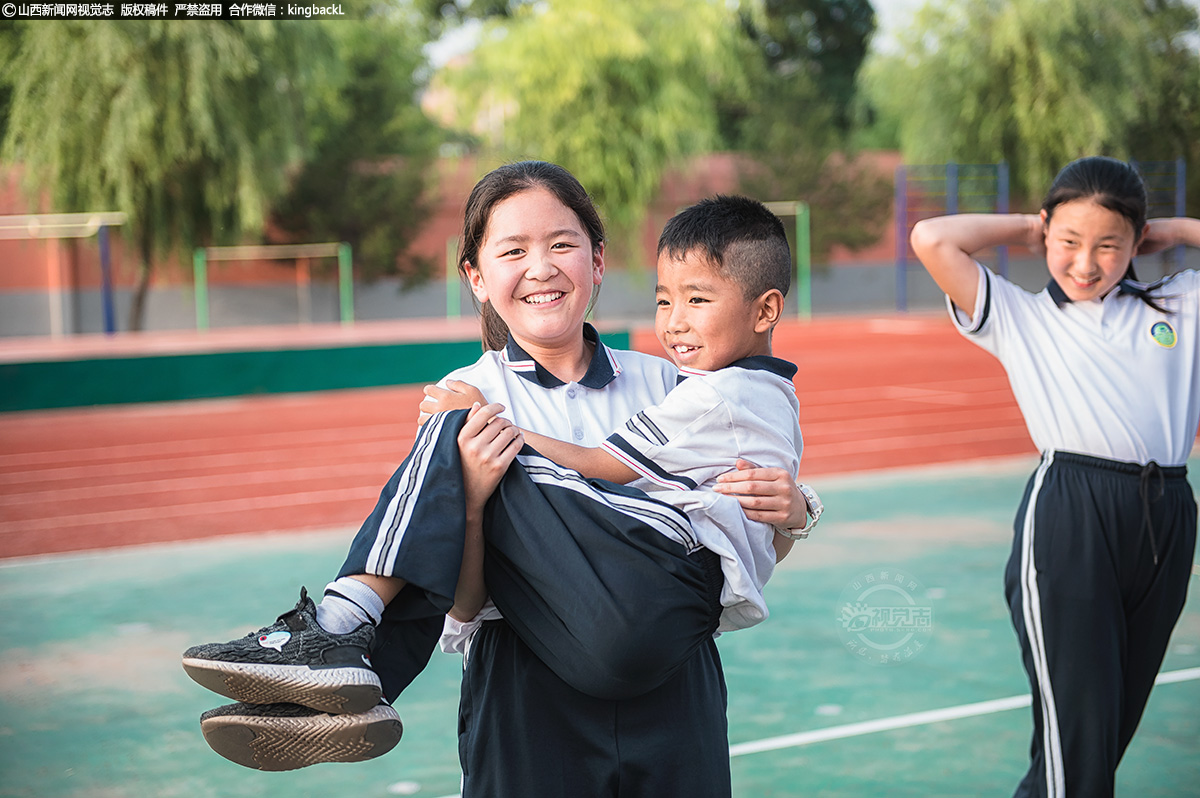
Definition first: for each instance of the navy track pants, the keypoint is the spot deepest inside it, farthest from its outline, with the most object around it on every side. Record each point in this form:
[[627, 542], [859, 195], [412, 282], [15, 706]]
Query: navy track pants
[[1096, 581], [524, 733], [597, 579]]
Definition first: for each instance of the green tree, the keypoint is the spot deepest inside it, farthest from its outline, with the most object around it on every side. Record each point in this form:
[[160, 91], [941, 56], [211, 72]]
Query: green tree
[[794, 121], [825, 40], [10, 40], [372, 146], [444, 15], [186, 126], [614, 90], [1040, 82], [619, 91]]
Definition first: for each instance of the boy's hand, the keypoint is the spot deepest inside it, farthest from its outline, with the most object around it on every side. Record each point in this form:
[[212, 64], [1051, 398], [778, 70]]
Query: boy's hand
[[457, 395], [768, 495]]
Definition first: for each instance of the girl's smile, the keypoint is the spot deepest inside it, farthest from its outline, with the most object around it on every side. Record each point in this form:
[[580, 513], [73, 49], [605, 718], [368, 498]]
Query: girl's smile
[[1088, 248], [538, 268]]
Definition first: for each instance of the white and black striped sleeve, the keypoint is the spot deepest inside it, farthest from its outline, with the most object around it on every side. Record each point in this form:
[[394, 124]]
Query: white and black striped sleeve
[[680, 443], [981, 313]]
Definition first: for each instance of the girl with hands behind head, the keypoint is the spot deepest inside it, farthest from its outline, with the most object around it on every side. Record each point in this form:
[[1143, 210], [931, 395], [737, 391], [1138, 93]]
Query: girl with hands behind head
[[1105, 370]]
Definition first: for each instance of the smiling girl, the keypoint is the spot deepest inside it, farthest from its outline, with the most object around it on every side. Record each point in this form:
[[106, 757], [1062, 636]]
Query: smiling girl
[[533, 723], [1104, 369]]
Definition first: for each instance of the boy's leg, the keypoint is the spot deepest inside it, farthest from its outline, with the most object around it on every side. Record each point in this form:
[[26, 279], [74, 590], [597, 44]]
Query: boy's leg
[[415, 534], [620, 625], [593, 578], [289, 736], [293, 660]]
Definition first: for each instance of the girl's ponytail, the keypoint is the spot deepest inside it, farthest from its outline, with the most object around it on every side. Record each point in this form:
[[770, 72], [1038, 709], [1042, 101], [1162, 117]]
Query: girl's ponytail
[[492, 328], [1145, 294]]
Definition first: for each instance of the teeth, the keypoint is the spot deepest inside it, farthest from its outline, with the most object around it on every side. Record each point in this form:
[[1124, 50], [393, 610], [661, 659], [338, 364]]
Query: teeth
[[539, 299]]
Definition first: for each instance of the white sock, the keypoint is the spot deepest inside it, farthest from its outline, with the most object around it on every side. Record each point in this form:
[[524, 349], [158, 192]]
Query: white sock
[[347, 605]]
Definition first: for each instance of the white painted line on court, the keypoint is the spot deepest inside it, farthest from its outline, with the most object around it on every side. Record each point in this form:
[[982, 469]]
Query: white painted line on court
[[878, 725], [914, 719], [908, 721], [1184, 675]]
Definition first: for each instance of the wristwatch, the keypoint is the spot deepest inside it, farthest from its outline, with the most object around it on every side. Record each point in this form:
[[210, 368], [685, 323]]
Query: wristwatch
[[815, 508]]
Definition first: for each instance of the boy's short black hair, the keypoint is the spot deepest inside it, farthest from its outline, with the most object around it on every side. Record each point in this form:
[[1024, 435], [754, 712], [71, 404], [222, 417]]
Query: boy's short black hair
[[740, 237]]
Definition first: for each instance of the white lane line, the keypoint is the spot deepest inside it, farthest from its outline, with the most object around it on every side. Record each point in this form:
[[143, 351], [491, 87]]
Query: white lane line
[[915, 719], [361, 495]]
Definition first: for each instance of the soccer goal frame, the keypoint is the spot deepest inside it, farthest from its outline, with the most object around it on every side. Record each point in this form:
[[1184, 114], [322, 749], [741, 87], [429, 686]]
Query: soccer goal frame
[[301, 253], [800, 212], [57, 226]]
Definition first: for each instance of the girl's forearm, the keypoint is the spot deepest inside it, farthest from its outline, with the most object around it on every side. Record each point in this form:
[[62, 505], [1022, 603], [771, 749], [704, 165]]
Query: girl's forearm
[[471, 592], [974, 232], [946, 244], [1184, 231]]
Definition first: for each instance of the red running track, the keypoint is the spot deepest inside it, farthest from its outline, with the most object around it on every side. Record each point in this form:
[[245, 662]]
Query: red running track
[[874, 393]]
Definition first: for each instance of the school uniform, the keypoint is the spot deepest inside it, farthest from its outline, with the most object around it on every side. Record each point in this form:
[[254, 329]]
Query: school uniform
[[1106, 530], [747, 410], [611, 560], [522, 730]]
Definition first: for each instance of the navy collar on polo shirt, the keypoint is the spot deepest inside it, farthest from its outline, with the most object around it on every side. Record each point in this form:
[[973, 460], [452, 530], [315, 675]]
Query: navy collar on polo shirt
[[601, 370], [1057, 293], [1126, 286], [775, 365]]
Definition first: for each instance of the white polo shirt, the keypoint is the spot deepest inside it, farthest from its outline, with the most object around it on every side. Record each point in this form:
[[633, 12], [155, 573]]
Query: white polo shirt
[[617, 385], [1111, 377], [747, 410]]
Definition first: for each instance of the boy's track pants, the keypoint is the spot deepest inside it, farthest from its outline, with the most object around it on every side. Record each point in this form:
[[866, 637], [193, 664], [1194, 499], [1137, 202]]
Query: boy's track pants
[[597, 579], [1097, 578]]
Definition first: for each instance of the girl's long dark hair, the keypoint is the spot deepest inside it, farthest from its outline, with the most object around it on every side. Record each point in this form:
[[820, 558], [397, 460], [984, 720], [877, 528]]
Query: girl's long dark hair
[[497, 186], [1111, 184]]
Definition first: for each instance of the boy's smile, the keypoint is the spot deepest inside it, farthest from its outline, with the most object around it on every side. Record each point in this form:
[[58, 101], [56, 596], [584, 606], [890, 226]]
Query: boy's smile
[[703, 320]]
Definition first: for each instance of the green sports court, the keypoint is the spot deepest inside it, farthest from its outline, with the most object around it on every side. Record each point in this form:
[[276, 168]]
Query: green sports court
[[229, 244], [94, 702]]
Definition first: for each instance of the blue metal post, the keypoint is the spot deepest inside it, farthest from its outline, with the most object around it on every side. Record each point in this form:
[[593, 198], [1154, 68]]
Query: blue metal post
[[951, 188], [106, 288], [901, 239]]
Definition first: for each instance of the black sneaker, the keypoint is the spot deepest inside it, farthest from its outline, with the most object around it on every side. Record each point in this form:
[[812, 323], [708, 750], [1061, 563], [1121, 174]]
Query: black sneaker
[[293, 661], [289, 736]]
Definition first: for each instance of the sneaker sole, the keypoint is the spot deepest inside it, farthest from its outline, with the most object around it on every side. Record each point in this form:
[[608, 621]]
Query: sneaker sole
[[334, 690], [273, 743]]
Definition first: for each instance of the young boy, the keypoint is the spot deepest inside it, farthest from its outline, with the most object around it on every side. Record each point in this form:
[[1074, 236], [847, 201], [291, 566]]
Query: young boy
[[724, 267]]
